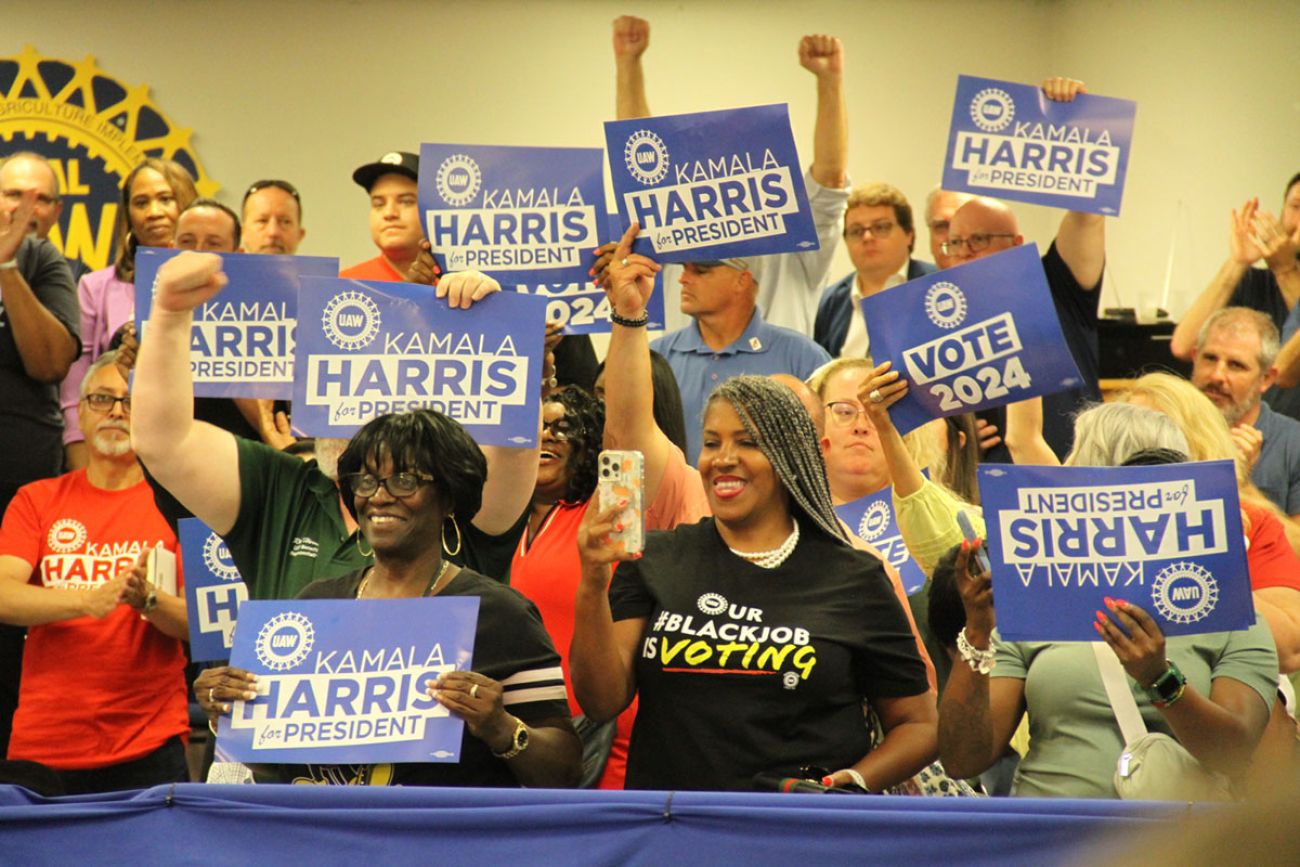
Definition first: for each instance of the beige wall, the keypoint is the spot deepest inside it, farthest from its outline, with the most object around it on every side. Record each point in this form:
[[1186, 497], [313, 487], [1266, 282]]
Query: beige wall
[[308, 90]]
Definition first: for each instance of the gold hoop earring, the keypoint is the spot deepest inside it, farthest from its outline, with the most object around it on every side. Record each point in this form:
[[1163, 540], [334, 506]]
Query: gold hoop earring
[[364, 552], [446, 549]]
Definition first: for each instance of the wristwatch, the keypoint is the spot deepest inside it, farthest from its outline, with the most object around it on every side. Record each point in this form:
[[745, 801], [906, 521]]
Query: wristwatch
[[518, 743], [1168, 687], [150, 601]]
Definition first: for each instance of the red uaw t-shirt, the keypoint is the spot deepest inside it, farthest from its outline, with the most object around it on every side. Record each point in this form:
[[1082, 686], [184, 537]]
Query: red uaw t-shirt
[[94, 692]]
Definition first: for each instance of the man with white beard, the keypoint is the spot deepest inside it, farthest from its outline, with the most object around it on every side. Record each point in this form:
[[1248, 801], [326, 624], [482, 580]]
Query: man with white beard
[[102, 698]]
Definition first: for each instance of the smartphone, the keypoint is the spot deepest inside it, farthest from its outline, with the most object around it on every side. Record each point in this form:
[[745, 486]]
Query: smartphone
[[622, 477], [981, 556]]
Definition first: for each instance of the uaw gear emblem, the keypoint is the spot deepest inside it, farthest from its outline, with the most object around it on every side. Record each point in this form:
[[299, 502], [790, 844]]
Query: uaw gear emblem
[[992, 109], [94, 129], [218, 560], [351, 321], [285, 640], [458, 180], [874, 521], [646, 157], [712, 603], [66, 536], [1184, 593], [945, 304]]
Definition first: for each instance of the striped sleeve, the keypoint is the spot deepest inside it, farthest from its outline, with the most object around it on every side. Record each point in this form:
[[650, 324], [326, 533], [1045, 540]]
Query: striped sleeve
[[513, 648]]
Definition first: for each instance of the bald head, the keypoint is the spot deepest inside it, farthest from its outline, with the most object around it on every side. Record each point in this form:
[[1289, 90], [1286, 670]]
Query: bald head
[[807, 397], [27, 173], [992, 225]]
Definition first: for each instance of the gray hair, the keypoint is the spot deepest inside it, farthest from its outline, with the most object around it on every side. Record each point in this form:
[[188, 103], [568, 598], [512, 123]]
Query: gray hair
[[33, 156], [1108, 434], [1238, 319], [778, 422], [104, 360]]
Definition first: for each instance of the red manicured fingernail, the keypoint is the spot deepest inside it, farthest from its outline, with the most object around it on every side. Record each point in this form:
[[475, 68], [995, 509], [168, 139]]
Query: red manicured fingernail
[[1121, 603], [1097, 626], [1110, 603], [619, 526], [828, 781], [1101, 616]]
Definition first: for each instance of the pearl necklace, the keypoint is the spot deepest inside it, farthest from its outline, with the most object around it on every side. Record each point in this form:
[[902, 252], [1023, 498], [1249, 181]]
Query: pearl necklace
[[430, 589], [775, 557]]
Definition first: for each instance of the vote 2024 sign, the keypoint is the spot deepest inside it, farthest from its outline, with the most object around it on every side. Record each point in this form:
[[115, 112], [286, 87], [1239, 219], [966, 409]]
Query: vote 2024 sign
[[369, 348], [214, 590], [872, 519], [712, 185], [971, 337], [1166, 538], [1010, 141], [346, 680], [520, 214], [242, 340]]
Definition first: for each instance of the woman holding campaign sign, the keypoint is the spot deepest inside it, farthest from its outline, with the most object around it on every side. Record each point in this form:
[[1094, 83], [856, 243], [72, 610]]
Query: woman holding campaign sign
[[408, 475], [1212, 693]]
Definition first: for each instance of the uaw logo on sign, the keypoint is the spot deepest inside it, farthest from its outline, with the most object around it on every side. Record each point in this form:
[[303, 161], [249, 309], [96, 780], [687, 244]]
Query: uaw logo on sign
[[872, 519], [1165, 538], [971, 337], [711, 185], [366, 349], [347, 681], [1011, 141], [241, 341], [94, 129], [521, 214], [730, 637], [214, 590]]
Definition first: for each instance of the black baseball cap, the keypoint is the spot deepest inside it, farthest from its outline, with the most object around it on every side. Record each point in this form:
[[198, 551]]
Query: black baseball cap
[[393, 162]]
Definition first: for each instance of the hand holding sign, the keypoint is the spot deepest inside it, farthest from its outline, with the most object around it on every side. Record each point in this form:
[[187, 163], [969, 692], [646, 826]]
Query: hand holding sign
[[425, 268], [1136, 640], [1060, 89], [464, 288], [216, 687], [476, 699], [187, 280], [878, 392], [631, 277]]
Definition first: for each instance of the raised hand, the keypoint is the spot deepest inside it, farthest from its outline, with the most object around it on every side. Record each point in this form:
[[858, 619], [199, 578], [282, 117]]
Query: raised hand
[[186, 281], [821, 54], [1059, 89], [631, 37], [630, 277], [1243, 248], [14, 225]]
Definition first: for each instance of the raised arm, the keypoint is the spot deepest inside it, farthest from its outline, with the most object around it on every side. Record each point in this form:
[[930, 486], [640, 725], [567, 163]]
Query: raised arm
[[1242, 252], [1081, 239], [45, 346], [629, 396], [631, 39], [197, 462], [1025, 434], [823, 56]]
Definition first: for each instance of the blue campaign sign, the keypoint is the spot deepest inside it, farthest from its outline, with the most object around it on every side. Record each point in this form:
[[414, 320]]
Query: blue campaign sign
[[1165, 538], [1011, 141], [345, 680], [241, 343], [370, 348], [583, 308], [214, 590], [872, 519], [971, 337], [712, 185], [520, 214]]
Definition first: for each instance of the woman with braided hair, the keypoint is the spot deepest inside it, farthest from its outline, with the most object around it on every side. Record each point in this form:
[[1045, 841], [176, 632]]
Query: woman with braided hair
[[751, 638]]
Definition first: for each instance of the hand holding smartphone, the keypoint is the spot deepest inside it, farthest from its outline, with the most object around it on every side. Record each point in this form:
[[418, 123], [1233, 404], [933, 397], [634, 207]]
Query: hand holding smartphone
[[968, 530], [622, 477]]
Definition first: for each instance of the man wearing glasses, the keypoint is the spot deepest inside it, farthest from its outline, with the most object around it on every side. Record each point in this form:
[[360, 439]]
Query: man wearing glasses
[[102, 699], [1073, 263], [880, 237], [272, 218]]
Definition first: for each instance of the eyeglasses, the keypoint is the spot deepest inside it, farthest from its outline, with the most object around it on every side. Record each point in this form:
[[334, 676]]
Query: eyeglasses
[[563, 429], [258, 186], [880, 229], [15, 197], [103, 403], [398, 484], [977, 242], [845, 412]]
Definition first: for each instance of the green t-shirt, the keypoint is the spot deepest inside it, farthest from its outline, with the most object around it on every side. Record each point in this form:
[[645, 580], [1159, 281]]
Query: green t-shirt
[[1074, 740]]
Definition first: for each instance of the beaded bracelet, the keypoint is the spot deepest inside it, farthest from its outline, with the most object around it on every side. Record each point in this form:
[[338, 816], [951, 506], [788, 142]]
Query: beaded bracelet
[[630, 323], [980, 661]]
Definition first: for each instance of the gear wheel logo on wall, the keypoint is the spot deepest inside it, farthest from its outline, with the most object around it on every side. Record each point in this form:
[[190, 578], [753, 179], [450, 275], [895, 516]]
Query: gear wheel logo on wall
[[285, 640], [1184, 593], [94, 129]]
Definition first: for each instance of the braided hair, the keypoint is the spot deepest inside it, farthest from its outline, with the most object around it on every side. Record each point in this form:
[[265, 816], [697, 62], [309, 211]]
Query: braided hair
[[778, 422]]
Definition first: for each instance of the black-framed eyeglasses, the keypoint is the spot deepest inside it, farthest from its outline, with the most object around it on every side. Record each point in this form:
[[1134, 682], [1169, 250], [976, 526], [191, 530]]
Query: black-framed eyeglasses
[[398, 484], [563, 428], [844, 412], [880, 229], [103, 403], [977, 243]]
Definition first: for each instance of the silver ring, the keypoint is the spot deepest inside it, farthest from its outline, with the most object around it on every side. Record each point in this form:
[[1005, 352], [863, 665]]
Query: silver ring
[[211, 700], [624, 262], [875, 396], [473, 691]]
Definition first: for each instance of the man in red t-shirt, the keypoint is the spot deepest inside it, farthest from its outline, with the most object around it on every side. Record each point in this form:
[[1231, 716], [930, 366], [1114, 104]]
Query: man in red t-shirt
[[102, 699], [395, 227]]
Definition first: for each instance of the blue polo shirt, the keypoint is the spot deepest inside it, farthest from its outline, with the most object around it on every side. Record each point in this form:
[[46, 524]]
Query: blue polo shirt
[[763, 349], [1277, 469]]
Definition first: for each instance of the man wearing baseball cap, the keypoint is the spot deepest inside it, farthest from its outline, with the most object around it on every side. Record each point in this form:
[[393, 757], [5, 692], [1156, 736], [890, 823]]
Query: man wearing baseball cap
[[394, 218]]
